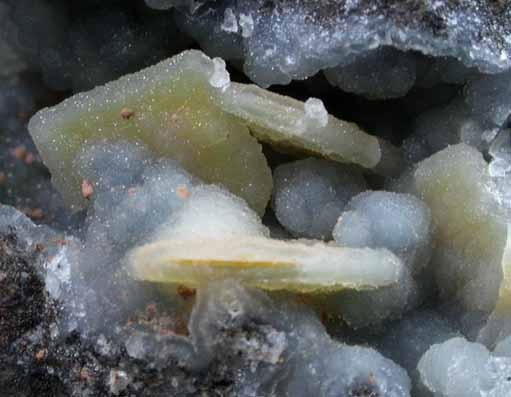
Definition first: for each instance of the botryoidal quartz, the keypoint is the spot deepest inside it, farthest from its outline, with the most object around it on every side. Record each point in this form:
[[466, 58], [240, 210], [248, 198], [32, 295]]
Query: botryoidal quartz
[[206, 237], [291, 40]]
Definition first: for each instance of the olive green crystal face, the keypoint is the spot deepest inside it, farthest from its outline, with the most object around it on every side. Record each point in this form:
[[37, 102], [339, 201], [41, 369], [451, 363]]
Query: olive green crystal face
[[170, 108]]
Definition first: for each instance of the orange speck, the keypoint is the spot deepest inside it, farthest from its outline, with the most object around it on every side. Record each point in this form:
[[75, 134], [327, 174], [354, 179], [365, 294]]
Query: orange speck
[[20, 152], [181, 327], [33, 213], [41, 354], [127, 113], [183, 192], [185, 292], [87, 189], [29, 158]]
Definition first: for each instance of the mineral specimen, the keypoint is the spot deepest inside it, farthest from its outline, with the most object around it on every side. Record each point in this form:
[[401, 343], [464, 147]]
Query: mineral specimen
[[382, 265]]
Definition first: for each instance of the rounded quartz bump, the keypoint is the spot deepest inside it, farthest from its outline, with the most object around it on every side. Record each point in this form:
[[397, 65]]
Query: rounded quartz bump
[[407, 339], [315, 112], [212, 212], [399, 222], [309, 195], [471, 367], [382, 73], [402, 224]]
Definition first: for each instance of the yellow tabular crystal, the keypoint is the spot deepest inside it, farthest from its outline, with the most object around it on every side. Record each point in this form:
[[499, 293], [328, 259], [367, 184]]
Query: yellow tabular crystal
[[170, 107], [265, 263], [471, 230], [285, 123]]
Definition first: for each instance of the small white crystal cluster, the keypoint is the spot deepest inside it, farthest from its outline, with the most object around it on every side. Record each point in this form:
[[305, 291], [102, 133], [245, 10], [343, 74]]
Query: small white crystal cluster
[[230, 23], [220, 77]]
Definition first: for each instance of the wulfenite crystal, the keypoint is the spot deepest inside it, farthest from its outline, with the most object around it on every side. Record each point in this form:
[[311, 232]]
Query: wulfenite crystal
[[293, 126], [216, 236], [172, 112], [471, 231], [265, 263]]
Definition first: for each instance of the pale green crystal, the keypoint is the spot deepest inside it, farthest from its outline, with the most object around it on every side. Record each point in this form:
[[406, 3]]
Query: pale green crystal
[[168, 107]]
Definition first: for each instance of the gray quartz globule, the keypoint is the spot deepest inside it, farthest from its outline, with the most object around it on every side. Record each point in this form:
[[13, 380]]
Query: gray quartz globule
[[315, 203]]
